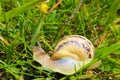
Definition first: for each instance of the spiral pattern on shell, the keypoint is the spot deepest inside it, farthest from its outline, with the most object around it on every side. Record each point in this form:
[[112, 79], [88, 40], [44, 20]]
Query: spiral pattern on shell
[[74, 46]]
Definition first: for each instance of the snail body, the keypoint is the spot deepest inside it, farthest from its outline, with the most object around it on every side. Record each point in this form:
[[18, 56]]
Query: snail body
[[70, 54]]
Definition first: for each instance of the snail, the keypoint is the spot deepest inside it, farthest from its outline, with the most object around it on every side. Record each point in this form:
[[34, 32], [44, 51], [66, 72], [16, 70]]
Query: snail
[[69, 55]]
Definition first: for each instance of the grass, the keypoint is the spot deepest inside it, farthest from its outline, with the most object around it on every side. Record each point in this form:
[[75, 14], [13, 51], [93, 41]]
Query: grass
[[22, 25]]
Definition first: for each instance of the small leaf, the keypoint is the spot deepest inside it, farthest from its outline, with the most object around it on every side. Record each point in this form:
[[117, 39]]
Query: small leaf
[[19, 62], [39, 79], [14, 69], [116, 71]]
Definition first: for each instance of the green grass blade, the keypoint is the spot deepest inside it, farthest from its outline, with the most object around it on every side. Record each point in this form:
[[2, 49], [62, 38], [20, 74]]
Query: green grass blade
[[36, 33], [12, 13], [0, 9], [6, 67], [112, 10], [103, 53], [1, 18]]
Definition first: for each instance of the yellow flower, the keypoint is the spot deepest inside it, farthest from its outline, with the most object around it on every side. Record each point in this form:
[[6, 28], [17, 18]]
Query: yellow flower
[[44, 7]]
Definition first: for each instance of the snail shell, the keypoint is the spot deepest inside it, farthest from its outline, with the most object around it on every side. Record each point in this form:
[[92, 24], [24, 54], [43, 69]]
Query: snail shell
[[74, 46], [70, 54]]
